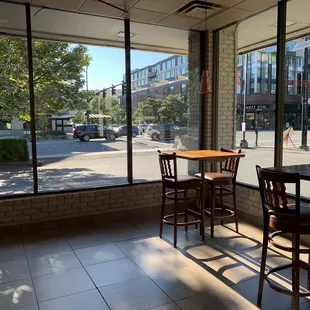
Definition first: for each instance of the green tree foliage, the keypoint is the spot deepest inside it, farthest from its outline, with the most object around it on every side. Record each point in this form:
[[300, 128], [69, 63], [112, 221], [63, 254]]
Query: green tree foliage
[[58, 77], [79, 117], [173, 109]]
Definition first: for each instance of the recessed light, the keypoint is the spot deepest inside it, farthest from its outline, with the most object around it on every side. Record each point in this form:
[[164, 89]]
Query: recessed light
[[288, 24], [121, 34]]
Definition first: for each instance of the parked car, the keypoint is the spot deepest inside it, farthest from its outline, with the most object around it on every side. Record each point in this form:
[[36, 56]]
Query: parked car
[[94, 131], [164, 131], [122, 131]]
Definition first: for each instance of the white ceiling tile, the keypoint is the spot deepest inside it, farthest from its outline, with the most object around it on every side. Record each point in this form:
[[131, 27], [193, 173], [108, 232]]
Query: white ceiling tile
[[255, 5], [227, 3], [178, 21], [164, 6], [59, 4], [98, 8], [145, 16]]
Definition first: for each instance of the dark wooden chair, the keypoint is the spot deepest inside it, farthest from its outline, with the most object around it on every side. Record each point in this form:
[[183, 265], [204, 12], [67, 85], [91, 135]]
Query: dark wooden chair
[[222, 184], [176, 187], [284, 218]]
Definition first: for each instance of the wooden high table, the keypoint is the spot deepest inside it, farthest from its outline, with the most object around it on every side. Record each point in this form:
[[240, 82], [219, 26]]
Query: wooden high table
[[206, 155]]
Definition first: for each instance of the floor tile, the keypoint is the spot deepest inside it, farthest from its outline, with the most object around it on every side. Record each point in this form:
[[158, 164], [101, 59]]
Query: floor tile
[[161, 261], [182, 283], [53, 263], [140, 294], [99, 254], [217, 299], [121, 232], [14, 295], [12, 252], [79, 237], [171, 306], [14, 270], [57, 285], [271, 299], [144, 245], [90, 300], [48, 242], [30, 307], [114, 272], [230, 270]]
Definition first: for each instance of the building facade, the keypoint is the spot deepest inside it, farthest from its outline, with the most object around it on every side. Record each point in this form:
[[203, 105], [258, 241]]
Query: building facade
[[256, 87], [168, 76]]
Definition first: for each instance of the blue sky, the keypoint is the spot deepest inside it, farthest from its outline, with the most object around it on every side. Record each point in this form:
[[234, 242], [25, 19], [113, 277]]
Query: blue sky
[[108, 64]]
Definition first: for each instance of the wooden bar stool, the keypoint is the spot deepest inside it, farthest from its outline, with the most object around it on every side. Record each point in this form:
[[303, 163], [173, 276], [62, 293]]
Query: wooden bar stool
[[178, 187], [222, 184], [283, 218]]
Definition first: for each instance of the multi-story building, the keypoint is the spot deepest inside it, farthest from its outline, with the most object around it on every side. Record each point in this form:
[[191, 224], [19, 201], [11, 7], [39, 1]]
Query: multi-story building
[[168, 76], [256, 87]]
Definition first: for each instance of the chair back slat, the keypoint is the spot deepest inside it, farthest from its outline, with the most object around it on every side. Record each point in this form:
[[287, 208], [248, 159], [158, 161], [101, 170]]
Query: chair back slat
[[272, 187], [231, 164], [168, 165]]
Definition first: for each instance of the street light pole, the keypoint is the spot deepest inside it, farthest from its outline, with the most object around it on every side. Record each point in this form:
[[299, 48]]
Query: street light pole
[[244, 142]]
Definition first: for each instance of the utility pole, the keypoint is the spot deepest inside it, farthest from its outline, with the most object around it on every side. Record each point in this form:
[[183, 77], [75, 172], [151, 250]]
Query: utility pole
[[304, 102], [244, 143]]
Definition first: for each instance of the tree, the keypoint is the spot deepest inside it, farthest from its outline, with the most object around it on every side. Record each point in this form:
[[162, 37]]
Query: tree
[[174, 110], [149, 111], [58, 77], [78, 118], [117, 113]]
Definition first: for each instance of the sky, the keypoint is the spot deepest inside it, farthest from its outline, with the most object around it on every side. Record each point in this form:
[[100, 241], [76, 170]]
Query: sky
[[108, 65]]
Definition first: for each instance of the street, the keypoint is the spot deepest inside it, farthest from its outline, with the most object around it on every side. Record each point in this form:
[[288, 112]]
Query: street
[[71, 164]]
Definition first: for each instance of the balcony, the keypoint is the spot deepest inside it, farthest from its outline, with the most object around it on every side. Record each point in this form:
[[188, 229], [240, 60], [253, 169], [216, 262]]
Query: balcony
[[125, 265]]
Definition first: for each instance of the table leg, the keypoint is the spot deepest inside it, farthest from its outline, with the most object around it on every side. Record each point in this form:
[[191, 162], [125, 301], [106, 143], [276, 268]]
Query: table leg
[[202, 199]]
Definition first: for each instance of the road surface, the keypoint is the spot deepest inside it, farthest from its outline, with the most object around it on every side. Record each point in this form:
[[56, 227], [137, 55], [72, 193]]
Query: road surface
[[71, 164]]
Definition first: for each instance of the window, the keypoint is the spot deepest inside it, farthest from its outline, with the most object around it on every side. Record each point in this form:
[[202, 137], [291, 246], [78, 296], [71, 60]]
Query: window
[[179, 61], [166, 108], [178, 71], [184, 89], [256, 108], [158, 67], [183, 70]]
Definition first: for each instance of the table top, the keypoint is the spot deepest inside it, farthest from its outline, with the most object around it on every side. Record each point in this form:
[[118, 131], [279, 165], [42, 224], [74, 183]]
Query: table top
[[206, 155], [304, 170]]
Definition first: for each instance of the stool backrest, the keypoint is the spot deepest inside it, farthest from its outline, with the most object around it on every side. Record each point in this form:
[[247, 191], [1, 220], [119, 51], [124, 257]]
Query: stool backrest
[[273, 193], [231, 164], [168, 166]]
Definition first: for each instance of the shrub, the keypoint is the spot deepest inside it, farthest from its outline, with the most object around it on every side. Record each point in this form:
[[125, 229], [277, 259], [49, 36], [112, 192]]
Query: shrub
[[14, 149]]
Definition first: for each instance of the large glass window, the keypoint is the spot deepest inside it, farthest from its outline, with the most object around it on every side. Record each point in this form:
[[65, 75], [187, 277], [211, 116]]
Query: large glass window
[[296, 108], [79, 117], [164, 115], [16, 175], [255, 108]]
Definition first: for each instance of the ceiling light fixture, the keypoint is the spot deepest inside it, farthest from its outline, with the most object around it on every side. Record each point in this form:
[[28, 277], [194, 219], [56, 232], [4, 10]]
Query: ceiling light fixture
[[112, 5], [121, 34], [205, 84]]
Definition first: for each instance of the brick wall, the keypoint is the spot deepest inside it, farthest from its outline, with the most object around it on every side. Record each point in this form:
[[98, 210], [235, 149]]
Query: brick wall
[[49, 207]]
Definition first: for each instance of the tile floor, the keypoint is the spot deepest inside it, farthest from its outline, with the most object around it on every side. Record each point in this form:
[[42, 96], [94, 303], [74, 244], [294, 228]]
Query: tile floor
[[126, 266]]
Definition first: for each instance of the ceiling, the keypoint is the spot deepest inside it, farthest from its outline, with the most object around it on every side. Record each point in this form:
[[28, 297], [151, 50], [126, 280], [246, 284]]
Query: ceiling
[[261, 29], [157, 25]]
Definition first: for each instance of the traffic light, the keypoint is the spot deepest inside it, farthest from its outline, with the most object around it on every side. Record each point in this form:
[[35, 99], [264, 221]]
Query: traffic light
[[113, 90], [123, 88], [103, 93]]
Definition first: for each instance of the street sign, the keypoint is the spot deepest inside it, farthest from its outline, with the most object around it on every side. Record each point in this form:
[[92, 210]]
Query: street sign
[[301, 46]]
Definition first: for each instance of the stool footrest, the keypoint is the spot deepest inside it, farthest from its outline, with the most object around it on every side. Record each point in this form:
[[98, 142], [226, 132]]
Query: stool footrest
[[166, 221], [231, 213], [277, 287], [283, 247]]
